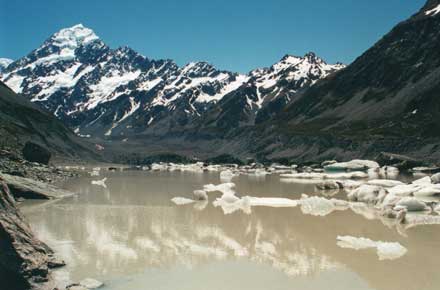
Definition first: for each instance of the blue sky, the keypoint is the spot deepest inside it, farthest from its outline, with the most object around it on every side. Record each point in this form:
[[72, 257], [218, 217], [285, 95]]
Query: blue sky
[[236, 35]]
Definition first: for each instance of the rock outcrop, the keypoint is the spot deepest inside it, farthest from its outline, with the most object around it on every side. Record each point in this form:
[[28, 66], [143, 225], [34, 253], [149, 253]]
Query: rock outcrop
[[24, 260], [27, 188], [33, 152]]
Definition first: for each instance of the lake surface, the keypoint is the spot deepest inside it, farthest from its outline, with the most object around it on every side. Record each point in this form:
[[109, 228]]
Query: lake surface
[[131, 236]]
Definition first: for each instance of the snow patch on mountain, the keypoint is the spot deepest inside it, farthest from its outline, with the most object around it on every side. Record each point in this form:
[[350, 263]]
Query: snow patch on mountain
[[4, 63], [102, 91], [433, 12]]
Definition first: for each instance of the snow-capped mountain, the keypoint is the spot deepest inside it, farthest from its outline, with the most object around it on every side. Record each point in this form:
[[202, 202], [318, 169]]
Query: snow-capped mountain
[[117, 92], [267, 91], [4, 62]]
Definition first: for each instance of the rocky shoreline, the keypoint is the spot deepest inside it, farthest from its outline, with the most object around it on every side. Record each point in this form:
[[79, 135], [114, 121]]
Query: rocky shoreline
[[25, 261]]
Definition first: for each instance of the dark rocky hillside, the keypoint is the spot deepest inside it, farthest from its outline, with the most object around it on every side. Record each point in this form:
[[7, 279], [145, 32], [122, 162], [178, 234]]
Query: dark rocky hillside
[[386, 100], [21, 121]]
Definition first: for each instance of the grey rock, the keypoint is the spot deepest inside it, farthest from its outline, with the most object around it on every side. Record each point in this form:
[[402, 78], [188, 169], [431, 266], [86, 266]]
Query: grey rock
[[31, 189], [33, 152], [23, 258]]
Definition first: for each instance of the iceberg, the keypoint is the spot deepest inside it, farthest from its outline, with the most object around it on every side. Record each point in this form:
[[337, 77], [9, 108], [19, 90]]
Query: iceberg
[[227, 175], [385, 250], [100, 182], [411, 204], [200, 195], [182, 200], [354, 165]]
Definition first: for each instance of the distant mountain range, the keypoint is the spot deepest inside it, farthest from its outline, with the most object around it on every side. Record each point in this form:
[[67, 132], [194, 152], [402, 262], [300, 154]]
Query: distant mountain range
[[101, 91], [301, 108]]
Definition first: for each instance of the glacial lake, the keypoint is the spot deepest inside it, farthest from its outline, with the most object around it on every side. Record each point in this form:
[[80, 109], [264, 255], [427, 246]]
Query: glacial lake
[[130, 236]]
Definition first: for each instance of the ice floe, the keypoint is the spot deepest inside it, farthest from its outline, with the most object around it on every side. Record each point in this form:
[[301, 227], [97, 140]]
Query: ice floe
[[385, 250], [200, 195], [354, 165], [182, 200], [227, 175], [100, 182]]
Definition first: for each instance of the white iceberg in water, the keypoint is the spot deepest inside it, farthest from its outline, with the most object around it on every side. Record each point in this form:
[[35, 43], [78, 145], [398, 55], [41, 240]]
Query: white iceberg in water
[[385, 182], [272, 202], [353, 165], [226, 175], [182, 200], [225, 188], [200, 195], [319, 175], [385, 250], [370, 194], [319, 206], [411, 204], [100, 182]]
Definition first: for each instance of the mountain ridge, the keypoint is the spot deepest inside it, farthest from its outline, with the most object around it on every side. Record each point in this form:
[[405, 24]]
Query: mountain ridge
[[107, 92]]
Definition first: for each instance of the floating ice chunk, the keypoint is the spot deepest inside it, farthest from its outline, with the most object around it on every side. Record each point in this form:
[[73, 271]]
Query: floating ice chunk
[[225, 188], [230, 205], [272, 202], [385, 250], [260, 173], [94, 173], [385, 182], [316, 206], [158, 167], [403, 190], [411, 204], [429, 190], [182, 200], [200, 195], [370, 194], [318, 175], [353, 165], [435, 179], [423, 181], [226, 175], [300, 181], [100, 182]]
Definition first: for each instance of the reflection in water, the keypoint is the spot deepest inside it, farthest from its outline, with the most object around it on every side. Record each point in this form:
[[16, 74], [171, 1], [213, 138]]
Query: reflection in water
[[130, 235]]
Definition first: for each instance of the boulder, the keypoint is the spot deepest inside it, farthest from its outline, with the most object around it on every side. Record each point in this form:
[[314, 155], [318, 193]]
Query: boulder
[[31, 189], [23, 258], [33, 152]]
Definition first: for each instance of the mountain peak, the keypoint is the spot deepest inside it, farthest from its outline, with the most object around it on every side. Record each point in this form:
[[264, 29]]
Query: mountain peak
[[74, 36], [4, 63]]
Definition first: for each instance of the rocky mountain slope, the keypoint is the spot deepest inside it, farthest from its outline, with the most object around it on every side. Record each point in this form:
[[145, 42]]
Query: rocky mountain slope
[[21, 121], [386, 100], [106, 92]]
